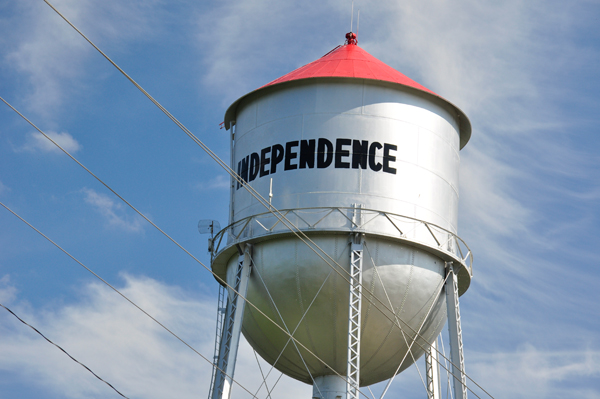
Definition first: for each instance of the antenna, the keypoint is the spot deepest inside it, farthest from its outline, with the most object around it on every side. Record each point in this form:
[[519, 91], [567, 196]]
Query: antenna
[[211, 227], [357, 22], [351, 16]]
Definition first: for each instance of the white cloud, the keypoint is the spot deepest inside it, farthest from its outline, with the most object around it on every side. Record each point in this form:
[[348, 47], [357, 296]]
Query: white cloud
[[504, 65], [533, 373], [249, 40], [52, 56], [480, 58], [115, 213], [37, 142], [140, 359], [124, 347]]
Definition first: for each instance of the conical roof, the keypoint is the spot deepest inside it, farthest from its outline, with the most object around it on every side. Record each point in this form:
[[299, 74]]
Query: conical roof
[[351, 61]]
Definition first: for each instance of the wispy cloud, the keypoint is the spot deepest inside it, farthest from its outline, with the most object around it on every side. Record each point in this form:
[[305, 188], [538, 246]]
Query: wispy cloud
[[125, 347], [37, 142], [140, 359], [114, 212], [245, 52], [529, 189], [51, 55], [534, 373]]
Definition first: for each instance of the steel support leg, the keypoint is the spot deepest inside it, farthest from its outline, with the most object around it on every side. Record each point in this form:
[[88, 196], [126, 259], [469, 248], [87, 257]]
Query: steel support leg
[[221, 309], [459, 381], [232, 329], [353, 371], [432, 368]]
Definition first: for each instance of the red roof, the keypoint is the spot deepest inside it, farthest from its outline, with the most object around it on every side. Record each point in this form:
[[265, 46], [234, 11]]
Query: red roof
[[349, 61]]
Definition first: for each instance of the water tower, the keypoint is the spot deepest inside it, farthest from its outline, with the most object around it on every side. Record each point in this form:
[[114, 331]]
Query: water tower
[[361, 263]]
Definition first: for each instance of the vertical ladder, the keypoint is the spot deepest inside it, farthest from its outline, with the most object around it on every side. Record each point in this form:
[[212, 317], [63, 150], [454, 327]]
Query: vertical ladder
[[459, 381], [232, 328]]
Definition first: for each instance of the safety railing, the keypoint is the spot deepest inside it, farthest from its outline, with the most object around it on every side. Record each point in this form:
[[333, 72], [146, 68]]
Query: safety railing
[[344, 219]]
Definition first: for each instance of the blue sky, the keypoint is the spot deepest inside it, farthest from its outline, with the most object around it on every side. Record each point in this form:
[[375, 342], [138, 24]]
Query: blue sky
[[526, 73]]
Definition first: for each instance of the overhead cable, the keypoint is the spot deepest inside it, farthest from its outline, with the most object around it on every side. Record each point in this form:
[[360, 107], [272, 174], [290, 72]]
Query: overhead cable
[[121, 294], [160, 230], [282, 218], [64, 351], [212, 272]]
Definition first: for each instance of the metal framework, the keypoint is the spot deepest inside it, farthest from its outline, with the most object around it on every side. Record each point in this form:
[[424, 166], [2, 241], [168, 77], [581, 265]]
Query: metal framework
[[432, 370], [228, 341], [354, 309], [402, 227], [230, 338], [459, 380], [221, 308]]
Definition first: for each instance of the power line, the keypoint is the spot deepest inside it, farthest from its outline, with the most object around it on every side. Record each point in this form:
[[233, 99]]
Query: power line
[[64, 351], [166, 235], [272, 210], [281, 217], [299, 233], [121, 294]]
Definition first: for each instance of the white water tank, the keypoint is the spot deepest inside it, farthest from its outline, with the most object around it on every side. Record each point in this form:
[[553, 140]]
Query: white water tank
[[345, 144]]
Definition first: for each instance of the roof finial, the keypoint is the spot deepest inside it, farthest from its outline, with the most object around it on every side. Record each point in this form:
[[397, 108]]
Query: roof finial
[[351, 38]]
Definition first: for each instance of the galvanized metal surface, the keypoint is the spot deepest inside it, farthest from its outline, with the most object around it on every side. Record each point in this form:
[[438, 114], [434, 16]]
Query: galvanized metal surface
[[432, 372], [354, 314], [232, 328], [293, 274], [424, 182], [410, 231], [329, 387], [459, 380], [221, 310]]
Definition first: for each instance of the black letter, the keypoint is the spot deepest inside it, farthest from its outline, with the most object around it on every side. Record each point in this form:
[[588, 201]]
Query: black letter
[[264, 161], [324, 153], [244, 174], [254, 160], [307, 154], [339, 153], [387, 158], [239, 175], [359, 154], [375, 166], [276, 157], [289, 155]]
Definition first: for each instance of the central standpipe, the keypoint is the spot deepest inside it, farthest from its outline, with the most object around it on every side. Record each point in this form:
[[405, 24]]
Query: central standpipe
[[333, 386]]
